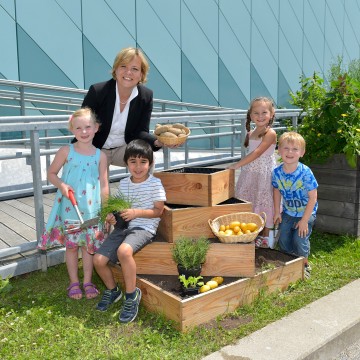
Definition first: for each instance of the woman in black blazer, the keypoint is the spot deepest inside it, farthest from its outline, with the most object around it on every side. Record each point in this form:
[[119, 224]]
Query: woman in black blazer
[[123, 106]]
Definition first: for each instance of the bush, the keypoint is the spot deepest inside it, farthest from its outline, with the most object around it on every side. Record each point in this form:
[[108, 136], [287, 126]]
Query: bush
[[331, 124]]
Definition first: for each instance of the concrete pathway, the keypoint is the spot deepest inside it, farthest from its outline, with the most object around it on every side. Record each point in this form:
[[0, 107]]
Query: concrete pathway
[[321, 330]]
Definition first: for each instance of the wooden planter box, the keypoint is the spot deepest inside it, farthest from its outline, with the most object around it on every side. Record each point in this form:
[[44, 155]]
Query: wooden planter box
[[156, 259], [190, 312], [178, 220], [197, 186], [338, 196]]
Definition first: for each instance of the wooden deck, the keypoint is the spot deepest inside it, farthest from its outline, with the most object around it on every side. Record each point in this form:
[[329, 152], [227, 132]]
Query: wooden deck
[[18, 225]]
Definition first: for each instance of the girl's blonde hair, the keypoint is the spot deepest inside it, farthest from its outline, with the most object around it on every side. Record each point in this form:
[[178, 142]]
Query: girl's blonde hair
[[271, 106], [125, 56], [292, 137], [80, 113]]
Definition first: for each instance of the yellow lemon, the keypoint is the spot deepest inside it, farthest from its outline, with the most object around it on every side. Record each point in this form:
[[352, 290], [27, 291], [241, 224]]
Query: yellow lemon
[[222, 228], [251, 226], [227, 227], [221, 233], [234, 223], [229, 232], [218, 279], [212, 284], [247, 231], [243, 227], [204, 288], [236, 229]]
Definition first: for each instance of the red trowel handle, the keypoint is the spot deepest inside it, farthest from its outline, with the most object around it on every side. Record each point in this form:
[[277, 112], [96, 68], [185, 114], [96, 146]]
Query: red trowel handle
[[74, 203]]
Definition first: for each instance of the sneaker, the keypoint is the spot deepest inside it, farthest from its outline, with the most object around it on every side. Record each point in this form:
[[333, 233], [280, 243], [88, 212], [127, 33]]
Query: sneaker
[[130, 308], [307, 271], [109, 297]]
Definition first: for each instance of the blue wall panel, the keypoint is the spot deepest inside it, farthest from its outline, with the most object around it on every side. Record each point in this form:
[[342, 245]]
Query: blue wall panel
[[217, 52], [159, 46]]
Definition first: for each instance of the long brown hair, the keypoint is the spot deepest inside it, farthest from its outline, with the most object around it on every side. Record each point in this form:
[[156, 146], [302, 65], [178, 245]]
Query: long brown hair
[[248, 117]]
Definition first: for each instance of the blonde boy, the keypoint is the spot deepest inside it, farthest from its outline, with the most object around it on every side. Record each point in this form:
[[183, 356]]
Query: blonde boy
[[295, 191]]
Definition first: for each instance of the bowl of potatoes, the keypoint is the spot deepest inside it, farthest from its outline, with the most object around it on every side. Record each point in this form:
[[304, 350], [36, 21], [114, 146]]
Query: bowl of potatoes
[[171, 134]]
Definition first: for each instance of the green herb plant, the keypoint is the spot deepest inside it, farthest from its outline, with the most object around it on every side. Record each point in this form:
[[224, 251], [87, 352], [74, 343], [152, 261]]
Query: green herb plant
[[113, 204], [191, 281], [190, 253]]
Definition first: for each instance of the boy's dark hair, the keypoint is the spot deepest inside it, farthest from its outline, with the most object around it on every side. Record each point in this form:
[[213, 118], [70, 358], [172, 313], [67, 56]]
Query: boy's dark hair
[[138, 148]]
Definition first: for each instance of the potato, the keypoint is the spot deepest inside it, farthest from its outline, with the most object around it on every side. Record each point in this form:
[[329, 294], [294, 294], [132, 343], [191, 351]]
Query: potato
[[175, 131], [179, 126], [168, 134], [162, 128]]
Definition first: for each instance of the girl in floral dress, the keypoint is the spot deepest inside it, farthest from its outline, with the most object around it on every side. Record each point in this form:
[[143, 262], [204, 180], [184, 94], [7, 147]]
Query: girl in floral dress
[[84, 171], [254, 182]]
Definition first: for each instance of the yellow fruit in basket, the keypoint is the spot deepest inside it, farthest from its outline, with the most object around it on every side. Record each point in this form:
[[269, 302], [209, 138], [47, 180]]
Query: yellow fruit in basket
[[218, 279], [212, 283], [222, 228], [247, 231], [205, 288], [229, 232], [243, 227], [236, 229], [251, 226], [227, 227], [221, 233], [233, 224]]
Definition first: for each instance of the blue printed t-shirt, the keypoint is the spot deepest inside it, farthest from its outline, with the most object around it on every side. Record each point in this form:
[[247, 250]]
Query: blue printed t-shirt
[[294, 188]]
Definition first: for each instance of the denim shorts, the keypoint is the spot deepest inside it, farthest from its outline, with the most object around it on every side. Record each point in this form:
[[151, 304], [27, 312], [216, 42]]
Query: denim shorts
[[136, 237], [289, 239]]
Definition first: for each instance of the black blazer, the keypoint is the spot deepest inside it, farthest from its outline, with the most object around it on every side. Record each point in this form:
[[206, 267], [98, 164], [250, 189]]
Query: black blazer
[[101, 99]]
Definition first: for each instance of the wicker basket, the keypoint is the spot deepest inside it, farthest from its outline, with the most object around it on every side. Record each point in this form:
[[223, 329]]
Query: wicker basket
[[174, 140], [245, 217]]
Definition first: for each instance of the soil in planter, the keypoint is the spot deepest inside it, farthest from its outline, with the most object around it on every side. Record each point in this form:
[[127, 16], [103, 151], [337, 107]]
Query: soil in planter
[[264, 259]]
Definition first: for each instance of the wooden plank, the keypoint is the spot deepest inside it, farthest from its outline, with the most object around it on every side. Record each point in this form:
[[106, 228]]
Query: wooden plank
[[18, 215], [337, 209], [337, 225], [227, 298], [337, 162], [19, 205], [201, 308], [338, 193], [156, 258], [11, 222], [193, 221], [10, 237], [198, 189]]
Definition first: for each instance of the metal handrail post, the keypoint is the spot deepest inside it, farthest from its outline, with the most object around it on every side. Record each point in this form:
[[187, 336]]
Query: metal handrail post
[[166, 153], [37, 184], [242, 137]]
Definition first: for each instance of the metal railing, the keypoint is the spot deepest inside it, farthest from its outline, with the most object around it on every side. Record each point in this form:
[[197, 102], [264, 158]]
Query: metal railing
[[216, 137]]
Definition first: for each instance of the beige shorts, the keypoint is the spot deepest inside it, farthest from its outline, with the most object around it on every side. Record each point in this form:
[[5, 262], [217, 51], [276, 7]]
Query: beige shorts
[[115, 156]]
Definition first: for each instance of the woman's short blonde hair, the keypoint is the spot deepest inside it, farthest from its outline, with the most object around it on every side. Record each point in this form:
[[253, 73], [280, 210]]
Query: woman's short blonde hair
[[125, 56], [292, 137]]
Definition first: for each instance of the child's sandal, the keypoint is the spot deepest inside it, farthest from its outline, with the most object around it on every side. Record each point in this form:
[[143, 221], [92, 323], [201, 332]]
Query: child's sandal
[[72, 293], [258, 241], [91, 291]]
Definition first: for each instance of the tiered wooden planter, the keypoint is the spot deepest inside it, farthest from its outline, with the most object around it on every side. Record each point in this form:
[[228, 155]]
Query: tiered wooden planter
[[193, 197], [338, 196], [192, 221], [196, 310], [197, 186]]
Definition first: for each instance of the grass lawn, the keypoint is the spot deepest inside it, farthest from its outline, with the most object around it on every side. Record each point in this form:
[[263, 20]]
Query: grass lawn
[[38, 321]]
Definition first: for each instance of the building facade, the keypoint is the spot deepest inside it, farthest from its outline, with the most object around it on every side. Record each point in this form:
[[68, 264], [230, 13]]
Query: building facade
[[215, 52]]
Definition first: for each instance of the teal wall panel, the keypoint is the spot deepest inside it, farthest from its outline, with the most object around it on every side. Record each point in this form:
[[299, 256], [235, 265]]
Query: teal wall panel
[[217, 52], [8, 54], [159, 46], [55, 33]]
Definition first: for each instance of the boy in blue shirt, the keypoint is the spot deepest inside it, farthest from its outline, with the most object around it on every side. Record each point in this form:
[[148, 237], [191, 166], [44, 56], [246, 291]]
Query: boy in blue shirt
[[295, 198]]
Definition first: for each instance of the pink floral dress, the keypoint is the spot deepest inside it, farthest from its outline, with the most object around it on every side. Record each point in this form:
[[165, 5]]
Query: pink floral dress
[[254, 182], [82, 173]]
